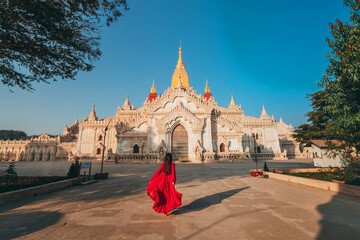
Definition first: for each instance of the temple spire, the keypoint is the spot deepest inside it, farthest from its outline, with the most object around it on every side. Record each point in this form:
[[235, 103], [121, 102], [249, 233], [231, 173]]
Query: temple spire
[[264, 115], [126, 105], [207, 88], [180, 73], [153, 94], [232, 102], [207, 93], [92, 116], [180, 63], [153, 89]]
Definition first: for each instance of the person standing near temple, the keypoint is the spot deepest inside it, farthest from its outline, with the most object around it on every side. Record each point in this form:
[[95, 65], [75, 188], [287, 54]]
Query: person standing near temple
[[161, 188]]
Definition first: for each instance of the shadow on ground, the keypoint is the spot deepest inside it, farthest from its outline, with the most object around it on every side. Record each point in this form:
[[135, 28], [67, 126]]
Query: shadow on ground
[[27, 222], [340, 221], [124, 184], [205, 202], [129, 181]]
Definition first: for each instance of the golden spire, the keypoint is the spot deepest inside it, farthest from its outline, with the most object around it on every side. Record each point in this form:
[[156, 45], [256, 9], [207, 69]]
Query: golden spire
[[180, 63], [180, 73], [207, 93], [207, 89], [153, 89]]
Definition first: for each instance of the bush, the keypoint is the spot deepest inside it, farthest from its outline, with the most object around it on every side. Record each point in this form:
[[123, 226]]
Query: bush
[[10, 174], [74, 170], [349, 174], [266, 169], [11, 169], [26, 182]]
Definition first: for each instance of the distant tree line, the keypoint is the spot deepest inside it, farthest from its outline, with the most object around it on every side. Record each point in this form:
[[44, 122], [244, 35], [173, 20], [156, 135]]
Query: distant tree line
[[12, 135], [17, 135]]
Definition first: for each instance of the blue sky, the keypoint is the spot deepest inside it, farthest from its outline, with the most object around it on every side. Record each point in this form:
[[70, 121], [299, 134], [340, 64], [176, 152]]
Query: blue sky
[[263, 52]]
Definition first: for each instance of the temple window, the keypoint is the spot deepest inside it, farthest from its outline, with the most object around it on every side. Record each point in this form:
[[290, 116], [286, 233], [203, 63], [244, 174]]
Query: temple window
[[100, 137], [136, 149], [222, 147], [98, 151], [257, 136]]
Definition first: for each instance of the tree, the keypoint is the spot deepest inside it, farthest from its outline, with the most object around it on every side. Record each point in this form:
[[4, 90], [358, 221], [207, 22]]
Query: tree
[[336, 113], [12, 135], [48, 40], [321, 126]]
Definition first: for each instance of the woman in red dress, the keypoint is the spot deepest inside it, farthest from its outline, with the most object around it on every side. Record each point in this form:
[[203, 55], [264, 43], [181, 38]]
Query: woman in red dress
[[161, 188]]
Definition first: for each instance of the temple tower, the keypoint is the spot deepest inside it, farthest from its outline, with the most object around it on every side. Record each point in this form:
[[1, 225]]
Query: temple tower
[[152, 94], [207, 93], [180, 73]]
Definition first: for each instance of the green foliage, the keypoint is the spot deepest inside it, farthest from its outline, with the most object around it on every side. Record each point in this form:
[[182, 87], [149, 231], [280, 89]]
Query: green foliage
[[336, 108], [266, 169], [325, 176], [26, 182], [42, 41], [73, 170], [12, 135], [10, 174], [321, 126], [11, 169], [350, 175]]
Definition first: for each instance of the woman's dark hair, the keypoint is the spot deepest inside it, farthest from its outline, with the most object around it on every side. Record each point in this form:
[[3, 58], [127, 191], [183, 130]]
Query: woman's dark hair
[[167, 163]]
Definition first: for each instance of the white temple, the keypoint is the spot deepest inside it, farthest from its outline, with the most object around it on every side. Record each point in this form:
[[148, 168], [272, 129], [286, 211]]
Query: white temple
[[190, 126]]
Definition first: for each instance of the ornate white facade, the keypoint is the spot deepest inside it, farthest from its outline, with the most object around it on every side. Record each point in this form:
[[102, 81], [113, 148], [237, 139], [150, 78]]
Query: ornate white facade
[[191, 126]]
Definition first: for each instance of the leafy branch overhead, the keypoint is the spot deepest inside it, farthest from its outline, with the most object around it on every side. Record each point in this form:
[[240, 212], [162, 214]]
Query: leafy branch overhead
[[43, 41], [336, 108]]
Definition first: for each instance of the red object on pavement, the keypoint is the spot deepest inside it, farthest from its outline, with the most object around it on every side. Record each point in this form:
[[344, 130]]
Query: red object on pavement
[[255, 173]]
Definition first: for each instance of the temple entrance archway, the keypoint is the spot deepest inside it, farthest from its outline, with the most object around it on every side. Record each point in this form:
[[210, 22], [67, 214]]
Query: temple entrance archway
[[179, 144]]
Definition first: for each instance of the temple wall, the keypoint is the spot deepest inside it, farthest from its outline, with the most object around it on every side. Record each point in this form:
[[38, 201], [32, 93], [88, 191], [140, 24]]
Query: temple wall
[[87, 141], [271, 141]]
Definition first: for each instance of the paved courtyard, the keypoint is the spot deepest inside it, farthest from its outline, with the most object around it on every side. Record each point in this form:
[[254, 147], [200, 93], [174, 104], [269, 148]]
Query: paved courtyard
[[220, 201]]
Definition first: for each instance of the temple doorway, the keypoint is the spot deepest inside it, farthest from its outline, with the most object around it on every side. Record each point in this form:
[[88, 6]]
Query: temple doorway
[[179, 146]]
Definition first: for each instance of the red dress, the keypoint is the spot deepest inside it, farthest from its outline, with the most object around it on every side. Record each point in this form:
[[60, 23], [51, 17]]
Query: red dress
[[162, 190]]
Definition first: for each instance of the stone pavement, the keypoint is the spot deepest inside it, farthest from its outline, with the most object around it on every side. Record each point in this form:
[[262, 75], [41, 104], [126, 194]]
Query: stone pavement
[[220, 201]]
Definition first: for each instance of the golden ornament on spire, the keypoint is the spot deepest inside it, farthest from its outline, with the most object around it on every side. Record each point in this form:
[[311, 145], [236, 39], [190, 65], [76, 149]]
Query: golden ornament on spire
[[153, 89], [207, 89], [180, 73], [207, 93], [152, 94]]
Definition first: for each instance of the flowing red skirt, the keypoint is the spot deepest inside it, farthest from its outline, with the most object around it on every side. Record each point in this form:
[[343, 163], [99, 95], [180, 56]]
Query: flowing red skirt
[[163, 193]]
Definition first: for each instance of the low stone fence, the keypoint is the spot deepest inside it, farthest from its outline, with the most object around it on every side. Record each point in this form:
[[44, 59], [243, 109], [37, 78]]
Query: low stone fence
[[302, 170], [330, 186], [21, 194], [137, 158], [231, 157]]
